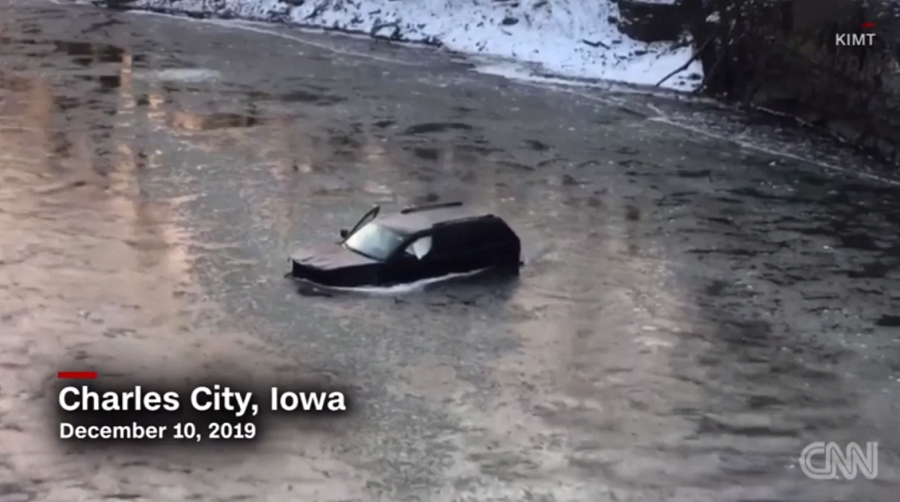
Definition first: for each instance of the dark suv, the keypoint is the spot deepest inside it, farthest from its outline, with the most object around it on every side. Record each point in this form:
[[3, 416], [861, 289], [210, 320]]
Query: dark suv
[[416, 243]]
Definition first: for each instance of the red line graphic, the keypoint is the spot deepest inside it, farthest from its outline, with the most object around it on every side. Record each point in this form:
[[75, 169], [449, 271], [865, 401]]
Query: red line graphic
[[868, 25], [76, 375]]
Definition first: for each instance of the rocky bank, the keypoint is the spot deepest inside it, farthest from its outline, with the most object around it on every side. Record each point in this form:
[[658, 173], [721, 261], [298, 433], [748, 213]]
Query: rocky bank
[[782, 55], [778, 55]]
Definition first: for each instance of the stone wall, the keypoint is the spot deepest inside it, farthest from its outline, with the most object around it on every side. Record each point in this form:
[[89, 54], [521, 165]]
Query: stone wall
[[781, 54]]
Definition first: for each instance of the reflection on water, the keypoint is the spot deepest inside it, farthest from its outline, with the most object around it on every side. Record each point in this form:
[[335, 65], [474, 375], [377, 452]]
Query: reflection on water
[[82, 53], [194, 122], [89, 54], [81, 237]]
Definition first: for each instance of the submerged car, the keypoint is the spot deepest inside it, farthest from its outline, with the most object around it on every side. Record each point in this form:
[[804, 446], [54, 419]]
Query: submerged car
[[416, 243]]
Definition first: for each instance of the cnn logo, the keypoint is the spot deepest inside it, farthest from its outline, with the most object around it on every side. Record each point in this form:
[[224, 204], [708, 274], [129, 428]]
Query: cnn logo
[[848, 462]]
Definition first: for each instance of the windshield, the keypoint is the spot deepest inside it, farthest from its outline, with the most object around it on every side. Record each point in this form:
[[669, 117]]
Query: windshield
[[374, 241]]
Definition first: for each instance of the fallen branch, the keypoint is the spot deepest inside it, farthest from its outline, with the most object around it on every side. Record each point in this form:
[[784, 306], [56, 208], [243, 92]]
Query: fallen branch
[[687, 63], [709, 74], [595, 44]]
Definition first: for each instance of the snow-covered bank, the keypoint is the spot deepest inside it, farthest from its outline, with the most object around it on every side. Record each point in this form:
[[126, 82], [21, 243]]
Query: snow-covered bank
[[574, 38]]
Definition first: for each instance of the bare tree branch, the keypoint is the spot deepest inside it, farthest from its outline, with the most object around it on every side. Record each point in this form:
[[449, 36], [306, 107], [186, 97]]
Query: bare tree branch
[[687, 63]]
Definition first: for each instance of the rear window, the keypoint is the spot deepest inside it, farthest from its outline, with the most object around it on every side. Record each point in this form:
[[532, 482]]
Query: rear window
[[473, 235], [488, 232]]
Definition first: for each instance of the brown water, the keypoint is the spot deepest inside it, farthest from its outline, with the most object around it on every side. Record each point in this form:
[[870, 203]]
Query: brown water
[[692, 313]]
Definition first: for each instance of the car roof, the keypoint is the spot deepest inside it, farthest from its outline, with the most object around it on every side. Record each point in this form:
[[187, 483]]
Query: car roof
[[412, 220]]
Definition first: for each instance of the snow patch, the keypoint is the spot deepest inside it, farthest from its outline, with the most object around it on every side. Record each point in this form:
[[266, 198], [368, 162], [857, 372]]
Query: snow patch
[[192, 75], [568, 38]]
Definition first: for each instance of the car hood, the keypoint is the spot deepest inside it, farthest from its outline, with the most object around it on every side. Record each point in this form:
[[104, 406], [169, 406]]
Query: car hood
[[330, 257]]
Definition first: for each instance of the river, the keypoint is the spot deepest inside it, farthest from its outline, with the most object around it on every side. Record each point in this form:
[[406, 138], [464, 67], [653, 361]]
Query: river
[[693, 311]]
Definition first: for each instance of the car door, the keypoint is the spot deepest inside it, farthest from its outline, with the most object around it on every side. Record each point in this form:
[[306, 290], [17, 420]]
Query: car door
[[466, 246], [412, 262], [366, 218], [453, 251]]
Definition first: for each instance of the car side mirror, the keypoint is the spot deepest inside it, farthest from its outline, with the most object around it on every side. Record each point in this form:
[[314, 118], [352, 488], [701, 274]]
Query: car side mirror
[[344, 233]]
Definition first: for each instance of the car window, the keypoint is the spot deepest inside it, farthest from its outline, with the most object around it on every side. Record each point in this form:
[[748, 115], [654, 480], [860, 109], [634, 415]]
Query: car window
[[374, 241], [471, 236], [450, 241], [420, 248], [465, 238]]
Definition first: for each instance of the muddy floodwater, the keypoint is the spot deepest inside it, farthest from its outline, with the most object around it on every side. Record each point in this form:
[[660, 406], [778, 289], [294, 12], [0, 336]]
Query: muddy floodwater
[[692, 312]]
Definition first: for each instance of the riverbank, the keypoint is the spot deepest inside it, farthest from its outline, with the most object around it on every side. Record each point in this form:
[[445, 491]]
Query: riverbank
[[785, 56], [568, 38], [775, 55]]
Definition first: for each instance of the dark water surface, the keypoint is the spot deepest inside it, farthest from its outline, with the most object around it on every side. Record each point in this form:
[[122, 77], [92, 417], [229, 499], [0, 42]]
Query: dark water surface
[[692, 312]]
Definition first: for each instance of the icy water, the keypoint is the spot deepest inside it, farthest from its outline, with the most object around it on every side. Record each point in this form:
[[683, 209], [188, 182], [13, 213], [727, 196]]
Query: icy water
[[692, 313]]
